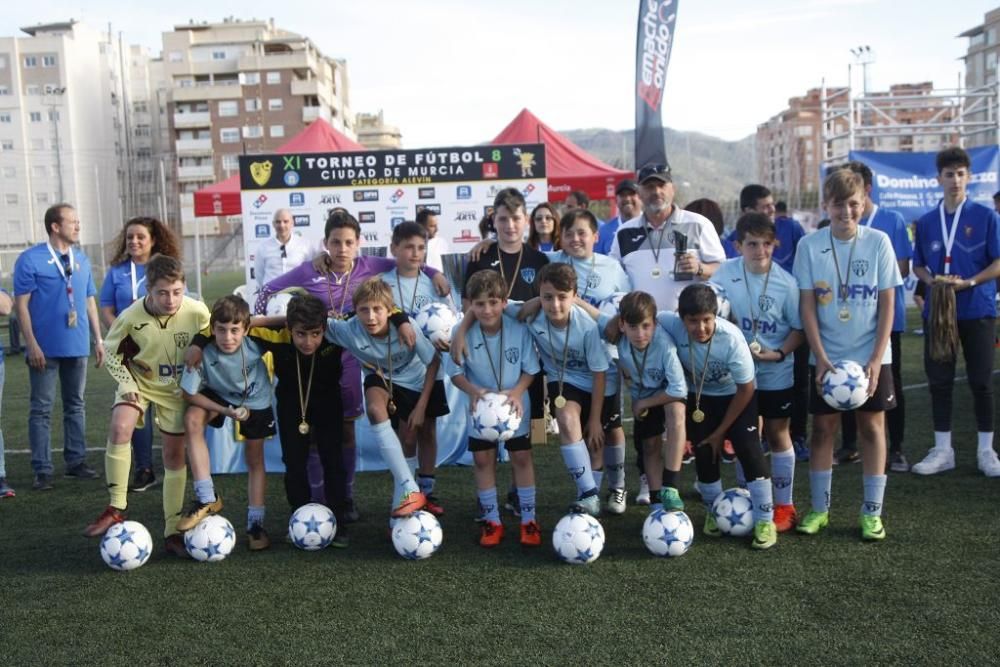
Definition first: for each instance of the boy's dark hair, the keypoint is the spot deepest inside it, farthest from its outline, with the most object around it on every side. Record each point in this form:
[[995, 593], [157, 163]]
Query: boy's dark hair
[[423, 214], [581, 198], [755, 224], [952, 157], [841, 184], [559, 275], [570, 217], [781, 207], [53, 215], [163, 267], [486, 284], [306, 311], [340, 219], [405, 230], [231, 308], [751, 194], [697, 299], [862, 170], [511, 199], [637, 307]]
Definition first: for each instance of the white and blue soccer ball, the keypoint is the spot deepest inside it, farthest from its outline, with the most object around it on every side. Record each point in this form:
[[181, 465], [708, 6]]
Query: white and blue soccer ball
[[312, 527], [126, 546], [211, 540], [667, 533], [846, 386], [277, 305], [733, 512], [417, 536], [578, 539], [436, 320], [724, 309], [493, 419]]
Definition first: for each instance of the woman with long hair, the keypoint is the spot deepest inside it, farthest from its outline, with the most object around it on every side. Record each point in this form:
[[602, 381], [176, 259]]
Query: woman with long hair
[[544, 232]]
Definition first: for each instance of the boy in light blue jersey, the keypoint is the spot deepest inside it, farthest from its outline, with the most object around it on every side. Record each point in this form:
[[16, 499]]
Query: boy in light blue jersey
[[232, 381], [847, 275], [765, 305], [412, 290], [502, 359], [721, 405], [400, 387]]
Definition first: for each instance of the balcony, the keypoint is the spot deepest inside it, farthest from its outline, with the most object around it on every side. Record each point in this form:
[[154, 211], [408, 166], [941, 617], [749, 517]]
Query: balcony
[[309, 114], [294, 60], [192, 119], [193, 146], [204, 92], [305, 87], [199, 173]]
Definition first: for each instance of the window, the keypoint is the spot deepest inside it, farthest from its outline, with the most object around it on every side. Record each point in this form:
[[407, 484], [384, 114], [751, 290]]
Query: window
[[3, 62], [229, 135], [48, 61], [31, 61], [277, 130], [35, 116], [7, 144], [14, 229], [144, 153], [273, 78], [275, 104], [4, 90], [140, 107], [11, 198], [5, 117], [185, 82], [33, 90], [229, 108], [41, 197], [175, 57], [250, 78], [39, 171], [53, 115], [253, 131], [142, 130], [10, 172], [252, 103], [218, 55], [55, 145], [230, 162]]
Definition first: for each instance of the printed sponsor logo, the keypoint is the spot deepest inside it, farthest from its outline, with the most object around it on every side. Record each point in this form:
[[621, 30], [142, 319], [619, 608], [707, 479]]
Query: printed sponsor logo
[[397, 195], [296, 199], [433, 208], [369, 237], [330, 199], [463, 192], [425, 193], [291, 178], [366, 217], [262, 231], [395, 221], [366, 195], [257, 203], [465, 216], [300, 220], [491, 170]]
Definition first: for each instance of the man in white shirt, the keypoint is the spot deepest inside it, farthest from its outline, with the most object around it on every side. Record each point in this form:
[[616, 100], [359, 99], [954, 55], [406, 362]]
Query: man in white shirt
[[283, 251], [436, 246]]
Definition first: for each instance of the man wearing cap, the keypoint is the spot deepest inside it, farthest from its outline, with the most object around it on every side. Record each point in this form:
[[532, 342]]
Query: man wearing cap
[[629, 206], [666, 247]]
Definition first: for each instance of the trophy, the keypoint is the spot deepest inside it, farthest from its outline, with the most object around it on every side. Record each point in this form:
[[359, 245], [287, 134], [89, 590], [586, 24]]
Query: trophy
[[454, 268], [680, 249]]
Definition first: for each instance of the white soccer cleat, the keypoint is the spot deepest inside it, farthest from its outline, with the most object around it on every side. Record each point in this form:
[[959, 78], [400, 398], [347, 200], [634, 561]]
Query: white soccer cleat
[[937, 460], [989, 463], [616, 501], [642, 498]]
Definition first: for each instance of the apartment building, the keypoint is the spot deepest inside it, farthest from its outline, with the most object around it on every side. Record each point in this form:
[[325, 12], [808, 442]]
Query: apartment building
[[373, 132], [981, 72]]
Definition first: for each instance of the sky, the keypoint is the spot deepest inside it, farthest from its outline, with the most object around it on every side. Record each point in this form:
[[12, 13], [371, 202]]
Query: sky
[[455, 72]]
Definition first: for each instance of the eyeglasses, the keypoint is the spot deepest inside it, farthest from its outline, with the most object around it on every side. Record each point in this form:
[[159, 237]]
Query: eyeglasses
[[650, 170]]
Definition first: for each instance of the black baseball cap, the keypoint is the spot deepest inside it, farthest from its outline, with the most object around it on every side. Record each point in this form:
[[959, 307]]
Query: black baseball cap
[[626, 185], [660, 172]]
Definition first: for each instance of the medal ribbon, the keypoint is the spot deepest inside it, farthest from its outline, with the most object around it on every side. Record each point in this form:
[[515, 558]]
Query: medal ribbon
[[67, 277], [949, 237]]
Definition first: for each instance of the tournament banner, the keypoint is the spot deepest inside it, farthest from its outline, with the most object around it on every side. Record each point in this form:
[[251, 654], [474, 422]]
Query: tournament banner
[[654, 41], [384, 188], [907, 182]]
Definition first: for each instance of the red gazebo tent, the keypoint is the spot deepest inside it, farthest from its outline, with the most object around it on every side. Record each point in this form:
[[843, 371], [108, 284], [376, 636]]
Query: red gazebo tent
[[567, 166], [223, 198]]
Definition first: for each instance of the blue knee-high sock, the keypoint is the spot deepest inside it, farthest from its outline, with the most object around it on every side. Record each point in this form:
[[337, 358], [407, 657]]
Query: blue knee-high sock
[[488, 504], [614, 465], [782, 476], [577, 460], [598, 478], [763, 502], [255, 515], [820, 482], [392, 455], [709, 491], [741, 478], [426, 484], [204, 489], [874, 492], [526, 498]]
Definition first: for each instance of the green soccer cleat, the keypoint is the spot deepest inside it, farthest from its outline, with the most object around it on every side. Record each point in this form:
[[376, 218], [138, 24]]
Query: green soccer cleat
[[813, 522], [765, 535], [871, 528], [711, 527], [671, 499], [590, 505]]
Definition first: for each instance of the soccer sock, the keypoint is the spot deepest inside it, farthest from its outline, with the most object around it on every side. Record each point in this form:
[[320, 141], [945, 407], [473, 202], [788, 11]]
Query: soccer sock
[[782, 476], [942, 439], [174, 482], [763, 501], [392, 456], [205, 490], [488, 504], [709, 491], [820, 482], [614, 465], [874, 492], [426, 484], [526, 499], [654, 500], [255, 515], [670, 478], [741, 478], [985, 441], [598, 478], [117, 461], [577, 460]]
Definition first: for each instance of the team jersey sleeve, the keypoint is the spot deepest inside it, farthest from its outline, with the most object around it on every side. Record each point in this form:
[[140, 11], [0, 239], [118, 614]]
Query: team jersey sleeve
[[513, 308], [790, 309], [529, 355], [270, 339], [425, 351], [25, 277], [888, 268], [339, 333], [108, 290], [91, 287], [711, 245], [615, 251], [451, 369], [741, 364], [597, 354], [673, 372], [118, 346], [993, 236], [192, 380], [918, 251], [802, 270], [294, 278]]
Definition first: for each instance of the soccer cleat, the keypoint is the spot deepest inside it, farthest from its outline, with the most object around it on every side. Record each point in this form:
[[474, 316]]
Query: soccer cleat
[[898, 462], [688, 453], [513, 504], [109, 517], [144, 479], [872, 528], [671, 499], [937, 460], [801, 449], [642, 498], [728, 453], [174, 545], [616, 501], [590, 505], [80, 471], [711, 527], [989, 464], [531, 534], [351, 514], [846, 455], [433, 507], [813, 522], [784, 517], [5, 490], [551, 425], [42, 482], [408, 504], [765, 535], [257, 538], [196, 511], [490, 534]]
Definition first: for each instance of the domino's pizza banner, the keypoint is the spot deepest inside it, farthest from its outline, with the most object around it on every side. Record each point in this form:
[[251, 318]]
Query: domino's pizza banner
[[384, 188], [907, 182]]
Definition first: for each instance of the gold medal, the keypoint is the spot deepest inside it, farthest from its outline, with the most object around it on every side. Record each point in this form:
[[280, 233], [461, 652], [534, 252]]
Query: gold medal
[[391, 407], [242, 413], [303, 428], [643, 414], [844, 315], [71, 319], [656, 272], [697, 416], [560, 401], [755, 347]]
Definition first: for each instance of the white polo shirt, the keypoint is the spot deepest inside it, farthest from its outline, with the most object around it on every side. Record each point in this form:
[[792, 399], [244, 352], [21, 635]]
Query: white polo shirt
[[269, 262]]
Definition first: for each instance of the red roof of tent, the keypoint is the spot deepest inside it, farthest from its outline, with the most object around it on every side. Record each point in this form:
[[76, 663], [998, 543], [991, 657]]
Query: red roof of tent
[[567, 166], [223, 198]]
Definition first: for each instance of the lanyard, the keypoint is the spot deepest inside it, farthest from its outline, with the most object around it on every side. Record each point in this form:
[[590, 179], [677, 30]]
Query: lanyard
[[868, 222], [135, 285], [67, 278], [949, 238]]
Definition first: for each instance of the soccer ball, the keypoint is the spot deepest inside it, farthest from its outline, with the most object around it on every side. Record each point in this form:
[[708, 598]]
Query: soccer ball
[[724, 309], [211, 540], [417, 536], [277, 305], [126, 546], [578, 539], [493, 419], [667, 533], [436, 320], [312, 527], [733, 512], [846, 386]]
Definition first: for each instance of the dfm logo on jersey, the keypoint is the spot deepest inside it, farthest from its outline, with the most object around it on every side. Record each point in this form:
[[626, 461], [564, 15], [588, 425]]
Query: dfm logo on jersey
[[823, 292], [763, 326], [397, 195]]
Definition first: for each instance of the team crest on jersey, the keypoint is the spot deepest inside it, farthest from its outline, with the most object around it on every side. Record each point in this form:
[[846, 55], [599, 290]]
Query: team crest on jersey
[[656, 374], [717, 371], [512, 355], [593, 280], [859, 267], [765, 302], [182, 339], [968, 231], [528, 275], [420, 302]]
